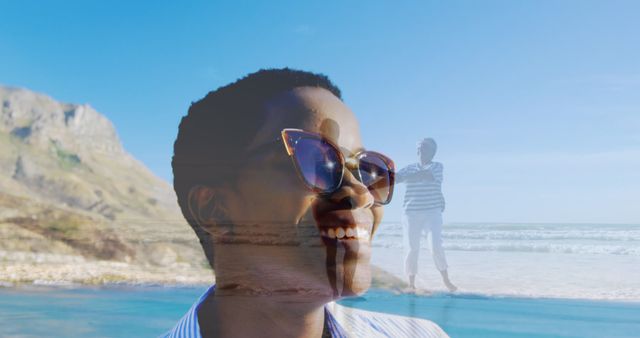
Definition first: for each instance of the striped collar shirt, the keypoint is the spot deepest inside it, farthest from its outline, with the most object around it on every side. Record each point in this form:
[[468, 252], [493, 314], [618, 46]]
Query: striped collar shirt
[[424, 186], [341, 322]]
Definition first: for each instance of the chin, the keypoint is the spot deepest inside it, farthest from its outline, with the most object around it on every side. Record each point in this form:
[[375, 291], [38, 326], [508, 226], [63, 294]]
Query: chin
[[356, 280], [358, 288]]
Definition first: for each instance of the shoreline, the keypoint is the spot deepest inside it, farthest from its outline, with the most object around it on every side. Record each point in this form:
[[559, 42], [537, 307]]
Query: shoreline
[[50, 270], [46, 286], [396, 291], [526, 274], [96, 273], [61, 270]]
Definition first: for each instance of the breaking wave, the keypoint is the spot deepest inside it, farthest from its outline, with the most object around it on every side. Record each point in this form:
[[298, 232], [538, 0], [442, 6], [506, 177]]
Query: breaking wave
[[543, 238]]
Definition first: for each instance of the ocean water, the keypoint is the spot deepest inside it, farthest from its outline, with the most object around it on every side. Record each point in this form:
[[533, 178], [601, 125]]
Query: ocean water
[[583, 261], [515, 280], [150, 311], [92, 312], [607, 239]]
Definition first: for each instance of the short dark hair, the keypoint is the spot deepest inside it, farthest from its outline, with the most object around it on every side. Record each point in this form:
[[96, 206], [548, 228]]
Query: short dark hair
[[219, 126]]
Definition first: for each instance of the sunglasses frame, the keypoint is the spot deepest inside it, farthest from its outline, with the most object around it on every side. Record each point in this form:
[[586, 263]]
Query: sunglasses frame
[[290, 136]]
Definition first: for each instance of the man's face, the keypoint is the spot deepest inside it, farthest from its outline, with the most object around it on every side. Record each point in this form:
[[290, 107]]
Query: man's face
[[426, 153], [277, 219]]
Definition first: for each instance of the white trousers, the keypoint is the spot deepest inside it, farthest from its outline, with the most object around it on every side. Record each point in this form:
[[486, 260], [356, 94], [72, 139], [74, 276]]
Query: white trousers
[[415, 223]]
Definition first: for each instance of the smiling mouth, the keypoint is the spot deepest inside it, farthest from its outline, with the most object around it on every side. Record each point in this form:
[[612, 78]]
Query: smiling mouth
[[351, 232]]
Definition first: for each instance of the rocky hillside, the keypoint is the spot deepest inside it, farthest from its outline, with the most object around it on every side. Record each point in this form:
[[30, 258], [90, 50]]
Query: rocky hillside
[[69, 189]]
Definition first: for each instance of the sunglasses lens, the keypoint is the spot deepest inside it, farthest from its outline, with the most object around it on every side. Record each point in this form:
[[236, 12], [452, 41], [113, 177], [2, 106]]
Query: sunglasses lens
[[319, 164], [376, 175]]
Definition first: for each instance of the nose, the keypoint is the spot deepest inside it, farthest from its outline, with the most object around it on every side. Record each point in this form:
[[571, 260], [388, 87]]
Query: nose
[[353, 194]]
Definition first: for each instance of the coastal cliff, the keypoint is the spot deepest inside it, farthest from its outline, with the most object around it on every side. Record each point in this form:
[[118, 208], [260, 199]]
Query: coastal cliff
[[76, 207]]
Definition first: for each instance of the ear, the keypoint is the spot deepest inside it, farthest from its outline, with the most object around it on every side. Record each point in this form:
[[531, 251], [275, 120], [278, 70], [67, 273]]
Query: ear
[[207, 207]]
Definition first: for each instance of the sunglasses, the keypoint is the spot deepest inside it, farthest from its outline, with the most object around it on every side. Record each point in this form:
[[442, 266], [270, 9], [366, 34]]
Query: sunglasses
[[321, 165]]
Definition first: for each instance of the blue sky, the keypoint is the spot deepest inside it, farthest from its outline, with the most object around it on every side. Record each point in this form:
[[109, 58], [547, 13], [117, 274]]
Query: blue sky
[[534, 104]]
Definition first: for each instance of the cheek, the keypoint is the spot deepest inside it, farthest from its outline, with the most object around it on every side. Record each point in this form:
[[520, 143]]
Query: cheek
[[274, 197], [378, 212]]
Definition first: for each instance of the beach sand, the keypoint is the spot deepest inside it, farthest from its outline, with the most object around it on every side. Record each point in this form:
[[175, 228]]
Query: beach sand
[[526, 274], [59, 270], [18, 268]]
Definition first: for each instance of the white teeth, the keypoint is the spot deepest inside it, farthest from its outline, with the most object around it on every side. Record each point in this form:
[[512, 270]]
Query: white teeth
[[350, 232], [362, 233]]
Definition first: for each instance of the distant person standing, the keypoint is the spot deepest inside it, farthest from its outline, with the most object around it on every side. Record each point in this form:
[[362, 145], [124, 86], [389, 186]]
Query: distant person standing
[[423, 207]]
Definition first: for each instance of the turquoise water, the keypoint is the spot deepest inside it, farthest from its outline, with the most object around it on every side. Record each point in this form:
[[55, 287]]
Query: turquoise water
[[89, 312], [478, 316], [150, 311]]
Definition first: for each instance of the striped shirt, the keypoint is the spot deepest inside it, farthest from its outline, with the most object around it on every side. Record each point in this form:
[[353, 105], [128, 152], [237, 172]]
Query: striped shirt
[[424, 186], [341, 322]]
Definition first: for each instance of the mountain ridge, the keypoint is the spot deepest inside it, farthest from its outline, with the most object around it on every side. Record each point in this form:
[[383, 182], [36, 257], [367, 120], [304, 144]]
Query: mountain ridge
[[69, 187]]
